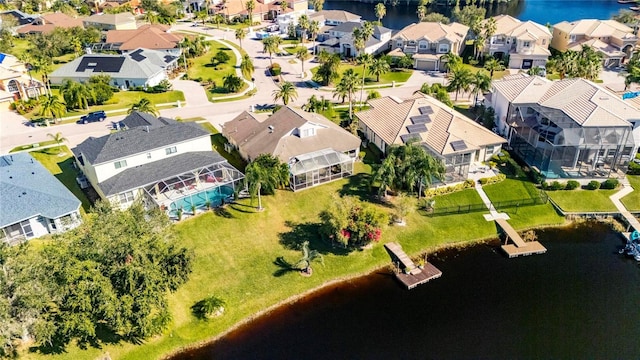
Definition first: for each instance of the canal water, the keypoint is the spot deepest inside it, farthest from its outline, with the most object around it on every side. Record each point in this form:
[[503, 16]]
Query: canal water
[[580, 300], [540, 11]]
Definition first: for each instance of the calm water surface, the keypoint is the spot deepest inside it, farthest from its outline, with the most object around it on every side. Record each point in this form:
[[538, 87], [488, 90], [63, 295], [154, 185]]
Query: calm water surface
[[540, 11], [581, 300]]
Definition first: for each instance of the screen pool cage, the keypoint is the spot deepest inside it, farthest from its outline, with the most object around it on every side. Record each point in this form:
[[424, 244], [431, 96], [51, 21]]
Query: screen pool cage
[[319, 167]]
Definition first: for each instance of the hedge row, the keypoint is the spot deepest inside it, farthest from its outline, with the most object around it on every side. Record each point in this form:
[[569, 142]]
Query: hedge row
[[493, 180], [608, 184], [467, 184]]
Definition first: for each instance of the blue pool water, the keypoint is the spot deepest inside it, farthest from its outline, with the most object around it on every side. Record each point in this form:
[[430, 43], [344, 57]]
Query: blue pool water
[[216, 196]]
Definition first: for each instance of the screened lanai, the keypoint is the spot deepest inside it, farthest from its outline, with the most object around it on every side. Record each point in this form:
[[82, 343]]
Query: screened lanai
[[560, 147], [319, 167], [208, 186]]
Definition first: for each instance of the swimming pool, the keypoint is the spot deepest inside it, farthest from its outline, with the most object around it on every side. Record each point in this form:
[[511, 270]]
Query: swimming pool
[[215, 196]]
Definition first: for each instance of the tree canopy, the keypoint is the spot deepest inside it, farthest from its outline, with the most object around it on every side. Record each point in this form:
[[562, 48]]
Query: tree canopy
[[352, 223]]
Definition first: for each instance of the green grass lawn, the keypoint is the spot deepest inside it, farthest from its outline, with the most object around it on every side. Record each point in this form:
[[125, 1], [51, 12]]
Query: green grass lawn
[[583, 200], [62, 168], [21, 46], [496, 74], [235, 250], [397, 76], [463, 197], [632, 201], [293, 49], [510, 189], [202, 68], [31, 146]]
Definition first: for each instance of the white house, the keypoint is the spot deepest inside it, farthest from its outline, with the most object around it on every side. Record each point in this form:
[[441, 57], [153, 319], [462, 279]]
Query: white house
[[339, 39]]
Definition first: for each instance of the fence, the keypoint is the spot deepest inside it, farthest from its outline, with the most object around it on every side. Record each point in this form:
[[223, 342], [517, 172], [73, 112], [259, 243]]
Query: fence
[[541, 199]]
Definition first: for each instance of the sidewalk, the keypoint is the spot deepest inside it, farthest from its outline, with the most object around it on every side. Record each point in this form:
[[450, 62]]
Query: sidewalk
[[615, 198]]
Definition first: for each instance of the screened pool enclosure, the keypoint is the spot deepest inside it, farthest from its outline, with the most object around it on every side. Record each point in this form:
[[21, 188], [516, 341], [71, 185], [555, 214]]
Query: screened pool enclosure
[[319, 167], [209, 186], [559, 147]]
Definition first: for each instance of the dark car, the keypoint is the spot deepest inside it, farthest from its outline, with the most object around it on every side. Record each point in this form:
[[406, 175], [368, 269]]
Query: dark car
[[92, 117]]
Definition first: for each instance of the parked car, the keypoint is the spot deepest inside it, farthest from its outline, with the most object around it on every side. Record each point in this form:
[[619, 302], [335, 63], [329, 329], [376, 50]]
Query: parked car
[[92, 117], [40, 122]]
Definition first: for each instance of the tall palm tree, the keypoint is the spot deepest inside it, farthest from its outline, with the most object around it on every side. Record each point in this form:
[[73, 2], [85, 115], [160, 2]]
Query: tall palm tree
[[365, 60], [381, 11], [286, 92], [240, 34], [51, 106], [76, 95], [378, 67], [246, 67], [271, 44], [451, 60], [328, 70], [265, 174], [460, 80], [385, 175], [217, 19], [151, 17], [480, 83], [348, 84], [308, 256], [493, 65], [302, 54], [251, 5], [303, 23], [144, 105], [59, 139], [422, 13], [232, 83], [314, 28]]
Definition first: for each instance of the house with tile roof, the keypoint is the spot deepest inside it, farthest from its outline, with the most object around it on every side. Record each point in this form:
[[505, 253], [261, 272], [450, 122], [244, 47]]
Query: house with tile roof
[[45, 24], [524, 43], [153, 37], [615, 41], [161, 162], [443, 132], [34, 202], [571, 128], [333, 17], [340, 40], [316, 149], [120, 21], [16, 82], [427, 42], [142, 67]]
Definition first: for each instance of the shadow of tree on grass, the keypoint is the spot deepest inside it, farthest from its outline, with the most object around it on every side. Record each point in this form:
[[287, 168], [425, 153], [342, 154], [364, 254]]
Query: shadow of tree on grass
[[301, 232]]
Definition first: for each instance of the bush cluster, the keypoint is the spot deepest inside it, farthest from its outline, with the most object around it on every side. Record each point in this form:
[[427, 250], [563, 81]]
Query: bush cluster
[[275, 69], [610, 184], [493, 180], [467, 184], [593, 185]]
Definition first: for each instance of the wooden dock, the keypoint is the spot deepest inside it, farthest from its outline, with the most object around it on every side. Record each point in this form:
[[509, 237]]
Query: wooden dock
[[519, 246], [413, 275]]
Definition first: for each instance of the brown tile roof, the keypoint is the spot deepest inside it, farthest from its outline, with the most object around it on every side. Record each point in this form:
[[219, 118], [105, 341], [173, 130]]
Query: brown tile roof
[[598, 45], [595, 28], [433, 31], [48, 22], [337, 15], [277, 134], [147, 36], [510, 26], [389, 117]]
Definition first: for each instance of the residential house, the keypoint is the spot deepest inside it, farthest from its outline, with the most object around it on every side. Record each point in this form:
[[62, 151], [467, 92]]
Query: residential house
[[121, 21], [16, 82], [263, 9], [21, 18], [34, 202], [341, 40], [520, 44], [333, 17], [161, 162], [316, 149], [571, 128], [427, 42], [141, 67], [610, 38], [45, 24], [153, 37], [443, 132]]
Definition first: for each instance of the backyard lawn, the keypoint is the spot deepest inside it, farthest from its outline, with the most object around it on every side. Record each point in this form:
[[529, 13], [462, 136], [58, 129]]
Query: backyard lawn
[[464, 197], [399, 76], [583, 200], [510, 189], [632, 201]]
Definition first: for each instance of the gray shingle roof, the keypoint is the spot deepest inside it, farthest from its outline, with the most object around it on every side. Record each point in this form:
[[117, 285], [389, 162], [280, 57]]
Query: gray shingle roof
[[147, 174], [27, 189], [135, 141], [138, 119]]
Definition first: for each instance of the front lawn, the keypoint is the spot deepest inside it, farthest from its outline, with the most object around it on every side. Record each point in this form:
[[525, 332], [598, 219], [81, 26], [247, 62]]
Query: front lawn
[[632, 201], [62, 168], [497, 75], [201, 69], [399, 76], [583, 200]]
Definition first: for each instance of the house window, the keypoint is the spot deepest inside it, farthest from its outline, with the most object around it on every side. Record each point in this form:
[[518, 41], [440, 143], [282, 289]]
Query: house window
[[148, 155], [423, 45], [120, 164], [308, 132], [544, 41], [572, 38], [126, 197], [443, 48], [399, 43], [526, 44], [412, 43], [171, 150]]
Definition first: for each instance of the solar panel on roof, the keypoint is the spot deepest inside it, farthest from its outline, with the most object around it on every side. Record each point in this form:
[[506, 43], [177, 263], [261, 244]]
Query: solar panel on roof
[[420, 119], [425, 110], [168, 58], [416, 128], [137, 55], [408, 137], [100, 64], [458, 145]]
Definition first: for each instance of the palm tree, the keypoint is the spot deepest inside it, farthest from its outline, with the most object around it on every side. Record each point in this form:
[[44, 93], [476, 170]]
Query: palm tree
[[422, 12], [144, 105], [314, 28], [75, 94], [308, 256], [328, 70], [286, 92], [378, 67], [232, 83], [451, 60], [251, 5], [51, 106], [381, 11], [217, 19], [246, 67], [493, 65], [271, 44], [283, 6], [59, 139], [151, 17], [480, 83], [265, 174], [303, 23], [348, 84], [240, 34], [365, 60], [302, 54], [385, 175], [460, 80]]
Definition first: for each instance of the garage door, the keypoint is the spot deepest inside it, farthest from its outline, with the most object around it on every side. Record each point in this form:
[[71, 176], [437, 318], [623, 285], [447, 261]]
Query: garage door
[[425, 65]]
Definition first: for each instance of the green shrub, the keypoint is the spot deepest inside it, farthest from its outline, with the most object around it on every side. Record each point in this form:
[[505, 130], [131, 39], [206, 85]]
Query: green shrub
[[275, 69], [634, 169], [556, 185], [493, 180], [593, 185], [610, 184], [572, 185], [467, 184]]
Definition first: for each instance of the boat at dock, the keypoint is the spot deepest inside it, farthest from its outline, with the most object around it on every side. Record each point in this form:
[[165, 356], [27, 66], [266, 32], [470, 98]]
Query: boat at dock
[[634, 8], [627, 1], [632, 248]]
